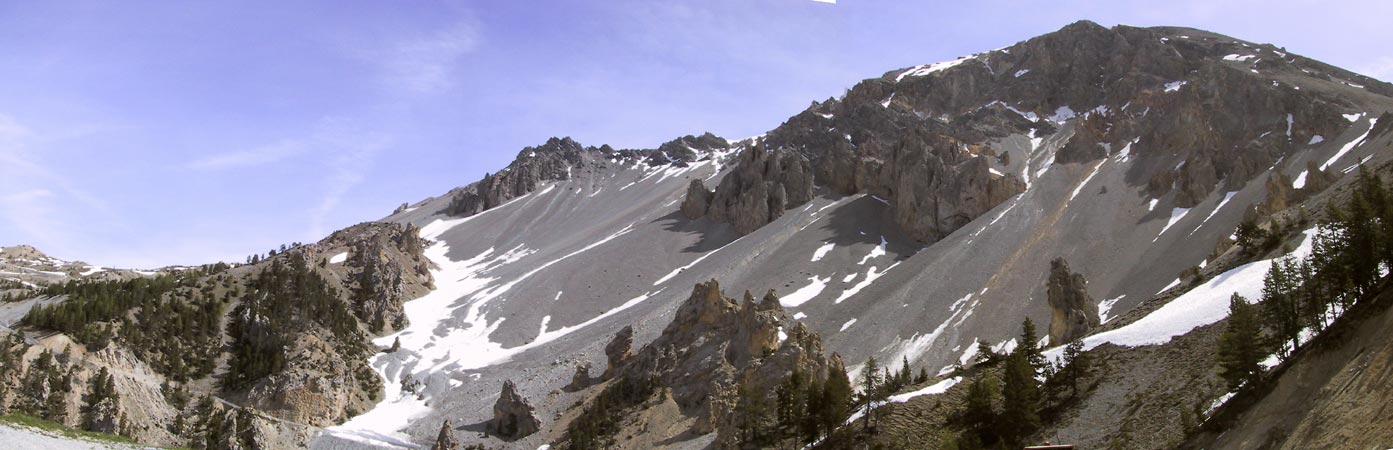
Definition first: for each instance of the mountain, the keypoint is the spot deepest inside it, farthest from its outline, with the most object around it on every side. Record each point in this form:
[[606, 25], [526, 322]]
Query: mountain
[[1096, 175]]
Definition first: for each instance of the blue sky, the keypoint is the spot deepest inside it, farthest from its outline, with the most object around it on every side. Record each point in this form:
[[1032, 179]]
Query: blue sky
[[142, 134]]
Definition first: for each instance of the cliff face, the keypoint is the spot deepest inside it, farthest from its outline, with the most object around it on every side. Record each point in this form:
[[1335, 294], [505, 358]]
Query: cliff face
[[912, 136]]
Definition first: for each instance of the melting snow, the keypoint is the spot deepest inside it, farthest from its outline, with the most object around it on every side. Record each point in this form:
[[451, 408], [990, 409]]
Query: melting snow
[[1105, 306], [1176, 215], [1203, 305], [1225, 201], [339, 258], [1022, 72], [871, 276], [1175, 85], [799, 316], [1352, 117], [822, 251], [805, 293], [1316, 140], [1085, 181], [878, 251], [1300, 181], [1239, 58], [919, 71], [933, 389], [847, 324], [1351, 145]]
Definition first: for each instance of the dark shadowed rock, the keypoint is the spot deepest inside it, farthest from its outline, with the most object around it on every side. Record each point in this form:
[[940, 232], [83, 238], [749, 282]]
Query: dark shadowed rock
[[759, 189], [581, 379], [1072, 310], [619, 349], [512, 416]]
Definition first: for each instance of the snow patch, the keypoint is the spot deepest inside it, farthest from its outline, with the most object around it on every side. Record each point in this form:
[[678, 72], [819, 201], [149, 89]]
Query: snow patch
[[1176, 215], [1175, 85], [926, 69], [1300, 180], [339, 258], [847, 324], [1351, 145], [822, 251], [871, 276], [805, 293], [876, 252], [1105, 306], [1203, 305]]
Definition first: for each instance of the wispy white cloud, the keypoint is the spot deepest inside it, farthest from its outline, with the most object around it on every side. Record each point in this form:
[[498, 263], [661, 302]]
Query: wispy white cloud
[[249, 158], [424, 62], [353, 151]]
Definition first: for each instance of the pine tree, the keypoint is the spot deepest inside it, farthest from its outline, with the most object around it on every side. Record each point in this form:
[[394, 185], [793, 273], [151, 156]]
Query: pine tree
[[836, 400], [871, 385], [978, 417], [986, 357], [792, 405], [1029, 345], [1239, 352], [1279, 303], [1020, 399]]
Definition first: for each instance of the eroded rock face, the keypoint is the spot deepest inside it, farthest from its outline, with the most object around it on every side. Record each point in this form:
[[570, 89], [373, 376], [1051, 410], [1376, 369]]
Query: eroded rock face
[[319, 385], [1072, 310], [533, 165], [619, 349], [696, 202], [513, 417], [757, 191], [714, 344]]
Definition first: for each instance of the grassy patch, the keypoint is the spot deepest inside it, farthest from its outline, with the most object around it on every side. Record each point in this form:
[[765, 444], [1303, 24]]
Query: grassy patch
[[61, 430]]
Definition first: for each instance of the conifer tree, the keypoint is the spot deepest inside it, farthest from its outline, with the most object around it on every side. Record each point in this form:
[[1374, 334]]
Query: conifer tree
[[871, 385], [1239, 352]]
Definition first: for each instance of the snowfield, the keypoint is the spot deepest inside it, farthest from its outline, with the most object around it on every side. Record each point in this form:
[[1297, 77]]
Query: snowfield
[[1203, 305]]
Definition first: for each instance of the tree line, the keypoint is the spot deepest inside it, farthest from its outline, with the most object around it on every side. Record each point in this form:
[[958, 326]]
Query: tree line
[[1350, 255]]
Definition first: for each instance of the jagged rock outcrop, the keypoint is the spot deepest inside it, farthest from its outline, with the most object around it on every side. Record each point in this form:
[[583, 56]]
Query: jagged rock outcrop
[[1072, 310], [762, 185], [548, 162], [446, 439], [560, 159], [696, 202], [390, 267], [513, 417], [714, 344], [619, 349], [581, 379], [686, 149]]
